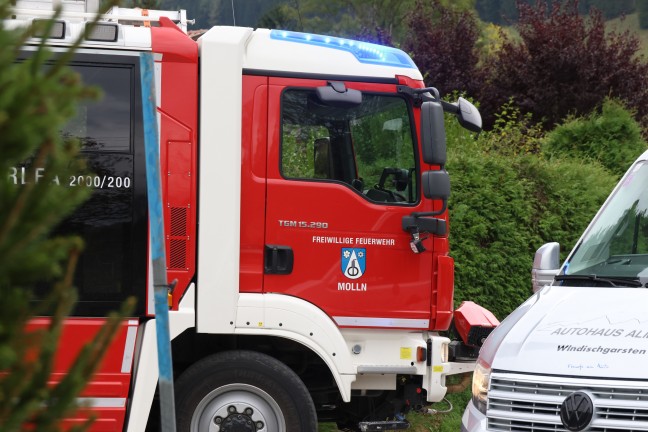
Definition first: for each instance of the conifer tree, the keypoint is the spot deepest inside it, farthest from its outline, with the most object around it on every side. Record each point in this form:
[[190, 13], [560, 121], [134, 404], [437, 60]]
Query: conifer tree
[[38, 94]]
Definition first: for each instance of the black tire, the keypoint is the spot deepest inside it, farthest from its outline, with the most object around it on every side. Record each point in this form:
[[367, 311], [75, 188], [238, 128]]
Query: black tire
[[242, 390]]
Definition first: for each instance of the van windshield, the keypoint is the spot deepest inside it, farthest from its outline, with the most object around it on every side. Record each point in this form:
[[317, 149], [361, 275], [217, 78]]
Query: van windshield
[[616, 245]]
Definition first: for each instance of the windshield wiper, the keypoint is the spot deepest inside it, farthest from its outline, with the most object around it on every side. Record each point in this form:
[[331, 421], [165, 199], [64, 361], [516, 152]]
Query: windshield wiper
[[612, 281]]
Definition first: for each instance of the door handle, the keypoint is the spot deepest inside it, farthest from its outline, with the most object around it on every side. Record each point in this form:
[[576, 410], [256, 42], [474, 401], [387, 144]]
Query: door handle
[[278, 260]]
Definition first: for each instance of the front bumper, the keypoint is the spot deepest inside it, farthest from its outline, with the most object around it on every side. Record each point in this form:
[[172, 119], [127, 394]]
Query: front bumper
[[473, 420]]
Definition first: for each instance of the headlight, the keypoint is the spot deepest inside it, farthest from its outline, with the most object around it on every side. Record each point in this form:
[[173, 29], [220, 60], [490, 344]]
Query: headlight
[[481, 378]]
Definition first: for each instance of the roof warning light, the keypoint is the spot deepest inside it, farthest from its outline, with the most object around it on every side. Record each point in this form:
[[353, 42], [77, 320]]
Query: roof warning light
[[364, 52]]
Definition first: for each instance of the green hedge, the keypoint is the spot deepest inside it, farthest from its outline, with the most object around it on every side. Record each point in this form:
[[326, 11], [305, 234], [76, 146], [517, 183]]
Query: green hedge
[[611, 137], [504, 207]]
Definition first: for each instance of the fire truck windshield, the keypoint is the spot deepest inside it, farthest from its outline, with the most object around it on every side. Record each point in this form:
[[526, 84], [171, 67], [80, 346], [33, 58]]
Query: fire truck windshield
[[369, 148]]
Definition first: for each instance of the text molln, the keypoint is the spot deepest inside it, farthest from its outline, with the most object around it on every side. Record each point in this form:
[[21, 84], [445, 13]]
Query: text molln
[[352, 286]]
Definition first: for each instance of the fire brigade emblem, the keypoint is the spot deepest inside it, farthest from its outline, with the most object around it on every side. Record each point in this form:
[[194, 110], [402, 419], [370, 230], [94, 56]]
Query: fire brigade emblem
[[353, 262]]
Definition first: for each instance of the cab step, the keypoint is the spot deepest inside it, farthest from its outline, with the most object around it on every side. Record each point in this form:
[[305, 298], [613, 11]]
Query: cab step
[[384, 425]]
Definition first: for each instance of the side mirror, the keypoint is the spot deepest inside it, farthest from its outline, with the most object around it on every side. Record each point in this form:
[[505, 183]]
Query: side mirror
[[436, 185], [433, 137], [468, 115], [546, 264]]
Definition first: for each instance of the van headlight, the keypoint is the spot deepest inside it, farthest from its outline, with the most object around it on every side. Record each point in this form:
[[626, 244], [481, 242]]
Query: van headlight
[[481, 379]]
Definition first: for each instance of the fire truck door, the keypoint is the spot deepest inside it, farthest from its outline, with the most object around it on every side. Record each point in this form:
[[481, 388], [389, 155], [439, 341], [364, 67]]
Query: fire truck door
[[339, 182]]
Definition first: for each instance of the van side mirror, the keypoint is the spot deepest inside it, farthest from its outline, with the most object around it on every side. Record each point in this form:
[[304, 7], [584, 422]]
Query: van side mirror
[[546, 265], [433, 137]]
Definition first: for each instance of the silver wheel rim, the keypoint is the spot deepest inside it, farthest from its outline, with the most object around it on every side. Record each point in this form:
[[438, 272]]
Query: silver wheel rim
[[218, 403]]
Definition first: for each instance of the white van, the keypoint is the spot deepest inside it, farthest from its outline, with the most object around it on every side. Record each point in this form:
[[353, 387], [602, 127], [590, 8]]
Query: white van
[[574, 356]]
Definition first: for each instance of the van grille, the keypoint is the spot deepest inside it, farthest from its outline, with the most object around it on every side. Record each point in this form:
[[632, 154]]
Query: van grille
[[519, 402]]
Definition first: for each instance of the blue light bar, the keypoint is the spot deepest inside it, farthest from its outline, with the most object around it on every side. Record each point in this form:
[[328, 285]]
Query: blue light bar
[[365, 52]]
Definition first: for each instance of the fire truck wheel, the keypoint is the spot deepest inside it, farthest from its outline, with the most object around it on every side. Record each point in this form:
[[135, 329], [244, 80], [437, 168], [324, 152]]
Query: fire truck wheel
[[243, 391]]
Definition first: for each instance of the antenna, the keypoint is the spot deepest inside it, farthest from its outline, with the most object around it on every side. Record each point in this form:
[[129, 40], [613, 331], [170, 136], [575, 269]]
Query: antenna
[[233, 14]]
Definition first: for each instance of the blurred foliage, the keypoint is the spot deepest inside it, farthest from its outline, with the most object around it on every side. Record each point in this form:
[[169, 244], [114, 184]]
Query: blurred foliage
[[351, 18], [505, 204], [609, 9], [557, 59], [208, 13], [442, 43], [371, 20], [38, 94], [513, 133], [144, 4], [501, 12], [611, 137], [563, 64], [489, 42], [642, 11], [505, 12], [282, 16]]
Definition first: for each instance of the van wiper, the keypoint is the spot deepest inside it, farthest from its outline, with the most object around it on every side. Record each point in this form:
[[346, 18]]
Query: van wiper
[[612, 281]]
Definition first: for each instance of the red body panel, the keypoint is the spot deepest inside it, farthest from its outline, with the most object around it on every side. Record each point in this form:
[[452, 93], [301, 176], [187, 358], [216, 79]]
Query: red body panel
[[474, 323], [178, 111], [111, 383], [443, 293], [253, 181]]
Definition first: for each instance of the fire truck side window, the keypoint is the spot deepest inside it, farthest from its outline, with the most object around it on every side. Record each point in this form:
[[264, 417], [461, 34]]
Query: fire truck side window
[[112, 222], [104, 125], [369, 148]]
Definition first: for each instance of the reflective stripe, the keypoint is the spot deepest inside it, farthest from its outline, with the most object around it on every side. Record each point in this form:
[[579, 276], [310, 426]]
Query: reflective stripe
[[158, 85], [407, 370], [102, 402], [129, 348], [381, 322]]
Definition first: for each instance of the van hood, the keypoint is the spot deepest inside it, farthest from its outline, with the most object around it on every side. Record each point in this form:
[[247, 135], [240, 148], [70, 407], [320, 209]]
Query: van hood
[[593, 332]]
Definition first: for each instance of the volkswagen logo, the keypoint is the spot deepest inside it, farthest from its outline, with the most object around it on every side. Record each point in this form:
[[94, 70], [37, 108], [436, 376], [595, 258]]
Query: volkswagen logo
[[576, 411]]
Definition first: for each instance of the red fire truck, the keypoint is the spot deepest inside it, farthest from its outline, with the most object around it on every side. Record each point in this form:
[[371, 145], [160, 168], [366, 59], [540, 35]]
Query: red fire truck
[[305, 221]]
